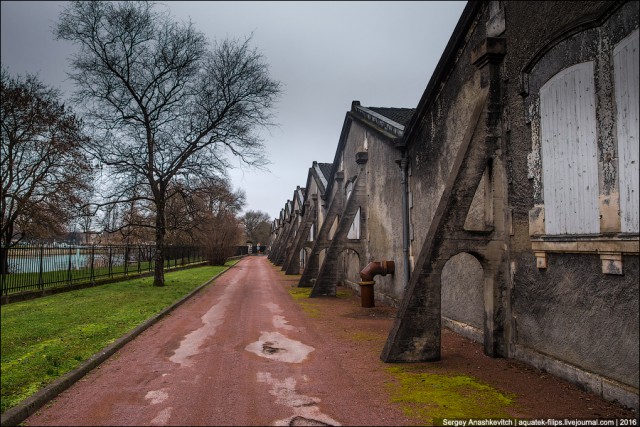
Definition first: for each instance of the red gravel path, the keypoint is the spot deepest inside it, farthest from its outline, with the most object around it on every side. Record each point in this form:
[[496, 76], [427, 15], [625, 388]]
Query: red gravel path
[[243, 352]]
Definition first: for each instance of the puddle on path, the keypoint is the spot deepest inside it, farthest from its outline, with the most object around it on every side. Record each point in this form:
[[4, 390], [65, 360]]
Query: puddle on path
[[274, 345], [190, 344], [162, 418], [305, 408], [278, 320], [157, 396]]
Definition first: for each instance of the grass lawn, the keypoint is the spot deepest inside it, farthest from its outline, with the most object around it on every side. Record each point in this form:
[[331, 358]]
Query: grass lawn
[[20, 282], [45, 338]]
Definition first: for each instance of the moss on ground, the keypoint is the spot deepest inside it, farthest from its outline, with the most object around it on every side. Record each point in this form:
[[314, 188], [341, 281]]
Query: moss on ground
[[343, 293], [299, 293], [301, 296], [430, 397]]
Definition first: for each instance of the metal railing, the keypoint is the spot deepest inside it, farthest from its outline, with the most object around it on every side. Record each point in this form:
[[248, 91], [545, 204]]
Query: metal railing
[[40, 267]]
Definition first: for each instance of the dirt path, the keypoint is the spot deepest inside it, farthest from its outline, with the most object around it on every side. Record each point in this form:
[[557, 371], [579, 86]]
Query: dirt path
[[244, 352], [241, 352]]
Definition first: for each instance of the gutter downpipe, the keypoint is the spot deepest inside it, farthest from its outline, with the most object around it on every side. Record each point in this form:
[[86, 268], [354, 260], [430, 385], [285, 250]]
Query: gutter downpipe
[[404, 167], [367, 274]]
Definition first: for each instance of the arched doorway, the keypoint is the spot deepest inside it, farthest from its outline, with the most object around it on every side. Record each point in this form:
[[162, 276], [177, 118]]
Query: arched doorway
[[462, 296], [349, 268]]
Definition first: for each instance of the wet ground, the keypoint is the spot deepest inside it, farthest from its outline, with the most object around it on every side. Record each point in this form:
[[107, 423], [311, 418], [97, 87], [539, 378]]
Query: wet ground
[[244, 352]]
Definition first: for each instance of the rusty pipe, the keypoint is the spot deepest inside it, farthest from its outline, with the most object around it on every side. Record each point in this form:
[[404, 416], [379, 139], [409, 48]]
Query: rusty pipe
[[374, 268], [377, 267]]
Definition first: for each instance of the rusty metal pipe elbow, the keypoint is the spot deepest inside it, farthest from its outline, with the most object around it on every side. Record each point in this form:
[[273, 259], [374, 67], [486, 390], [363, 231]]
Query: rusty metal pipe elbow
[[367, 274], [377, 267]]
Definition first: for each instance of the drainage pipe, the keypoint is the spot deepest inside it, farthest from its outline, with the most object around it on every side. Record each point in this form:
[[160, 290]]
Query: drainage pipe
[[404, 167], [367, 274]]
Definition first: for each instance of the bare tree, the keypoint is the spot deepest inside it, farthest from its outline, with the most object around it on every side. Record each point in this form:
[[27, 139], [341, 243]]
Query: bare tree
[[257, 226], [190, 209], [165, 105], [45, 174], [220, 231], [86, 218]]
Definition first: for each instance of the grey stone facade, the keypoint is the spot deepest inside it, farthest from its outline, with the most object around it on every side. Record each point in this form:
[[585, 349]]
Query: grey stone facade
[[484, 256]]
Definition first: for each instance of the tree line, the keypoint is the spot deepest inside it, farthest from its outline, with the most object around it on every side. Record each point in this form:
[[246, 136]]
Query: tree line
[[160, 111]]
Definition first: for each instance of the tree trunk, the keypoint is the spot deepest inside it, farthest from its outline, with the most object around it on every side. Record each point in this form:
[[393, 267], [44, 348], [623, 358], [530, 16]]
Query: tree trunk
[[4, 252], [4, 259], [158, 277]]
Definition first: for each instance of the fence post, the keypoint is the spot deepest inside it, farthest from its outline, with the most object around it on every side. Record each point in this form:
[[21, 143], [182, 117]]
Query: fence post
[[126, 260], [93, 253], [110, 262], [40, 272], [69, 267]]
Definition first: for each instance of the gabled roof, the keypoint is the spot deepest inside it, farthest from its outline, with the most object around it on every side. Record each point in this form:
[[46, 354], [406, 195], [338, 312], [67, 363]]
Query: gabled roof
[[287, 210], [298, 198], [389, 120], [380, 119], [321, 172], [398, 115], [326, 169]]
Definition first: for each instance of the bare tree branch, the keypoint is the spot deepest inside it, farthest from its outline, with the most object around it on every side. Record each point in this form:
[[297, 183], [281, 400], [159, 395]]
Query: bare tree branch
[[45, 173], [164, 106]]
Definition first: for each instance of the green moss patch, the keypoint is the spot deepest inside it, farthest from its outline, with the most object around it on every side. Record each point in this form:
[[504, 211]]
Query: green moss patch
[[299, 293], [428, 396], [301, 296], [343, 293]]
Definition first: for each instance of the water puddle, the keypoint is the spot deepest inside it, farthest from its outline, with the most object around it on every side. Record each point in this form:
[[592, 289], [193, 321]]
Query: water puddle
[[156, 396], [305, 408], [278, 320], [162, 418], [190, 345], [274, 345]]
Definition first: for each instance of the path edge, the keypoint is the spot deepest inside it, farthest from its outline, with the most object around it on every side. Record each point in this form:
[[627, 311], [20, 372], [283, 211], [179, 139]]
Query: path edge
[[30, 405]]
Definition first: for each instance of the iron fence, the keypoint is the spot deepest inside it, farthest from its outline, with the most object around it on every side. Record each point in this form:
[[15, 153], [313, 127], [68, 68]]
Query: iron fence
[[29, 268]]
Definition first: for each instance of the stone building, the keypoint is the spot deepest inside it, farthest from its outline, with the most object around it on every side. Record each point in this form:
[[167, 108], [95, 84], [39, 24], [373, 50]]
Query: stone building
[[359, 213], [516, 206], [312, 215], [285, 230]]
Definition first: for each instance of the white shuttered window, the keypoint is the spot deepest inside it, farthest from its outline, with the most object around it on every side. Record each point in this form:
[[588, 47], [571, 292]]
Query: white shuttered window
[[626, 76], [569, 152], [354, 231]]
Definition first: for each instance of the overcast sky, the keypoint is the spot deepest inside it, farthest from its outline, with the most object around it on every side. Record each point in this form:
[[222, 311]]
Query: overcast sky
[[326, 54]]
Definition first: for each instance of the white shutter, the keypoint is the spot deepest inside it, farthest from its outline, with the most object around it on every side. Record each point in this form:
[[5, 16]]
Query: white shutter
[[569, 152], [625, 63], [354, 231]]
